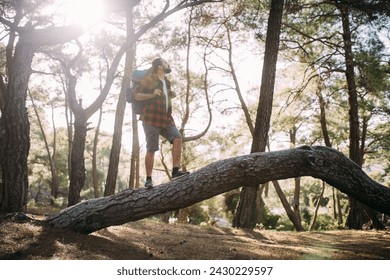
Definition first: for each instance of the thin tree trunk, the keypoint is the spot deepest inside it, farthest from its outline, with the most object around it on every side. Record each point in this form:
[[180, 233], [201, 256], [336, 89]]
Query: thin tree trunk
[[290, 213], [297, 192], [135, 155], [339, 209], [54, 179], [237, 84], [164, 164], [54, 184], [356, 216], [134, 177], [335, 215], [338, 213], [120, 110], [95, 176], [186, 114], [297, 181], [324, 127], [69, 130], [313, 222]]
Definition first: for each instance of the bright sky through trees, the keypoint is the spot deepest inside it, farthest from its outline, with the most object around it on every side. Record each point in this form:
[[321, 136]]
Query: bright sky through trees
[[84, 12]]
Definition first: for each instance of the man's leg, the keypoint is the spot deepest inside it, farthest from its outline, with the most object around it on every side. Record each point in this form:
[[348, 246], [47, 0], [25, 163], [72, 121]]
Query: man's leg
[[172, 134], [149, 163], [152, 136], [176, 157], [176, 152]]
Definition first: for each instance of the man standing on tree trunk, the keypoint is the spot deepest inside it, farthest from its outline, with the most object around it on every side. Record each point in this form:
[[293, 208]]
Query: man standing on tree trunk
[[155, 91]]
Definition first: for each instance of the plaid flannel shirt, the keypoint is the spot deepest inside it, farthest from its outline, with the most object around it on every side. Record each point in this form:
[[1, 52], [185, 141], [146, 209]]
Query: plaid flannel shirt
[[154, 112]]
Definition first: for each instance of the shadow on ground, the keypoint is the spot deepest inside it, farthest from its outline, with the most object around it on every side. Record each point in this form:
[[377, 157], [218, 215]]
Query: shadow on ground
[[149, 239]]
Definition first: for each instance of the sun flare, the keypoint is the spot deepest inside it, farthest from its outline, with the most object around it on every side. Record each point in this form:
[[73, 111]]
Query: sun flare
[[83, 12]]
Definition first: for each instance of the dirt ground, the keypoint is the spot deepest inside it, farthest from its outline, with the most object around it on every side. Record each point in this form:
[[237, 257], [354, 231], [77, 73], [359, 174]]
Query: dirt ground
[[151, 239]]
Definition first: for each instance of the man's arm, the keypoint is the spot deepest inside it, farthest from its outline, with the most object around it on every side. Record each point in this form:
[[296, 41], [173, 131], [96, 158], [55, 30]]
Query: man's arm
[[140, 96]]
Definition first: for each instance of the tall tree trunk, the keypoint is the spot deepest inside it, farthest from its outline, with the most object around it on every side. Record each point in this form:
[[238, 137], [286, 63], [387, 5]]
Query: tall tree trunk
[[354, 138], [15, 130], [120, 109], [356, 216], [77, 161], [245, 210], [77, 176]]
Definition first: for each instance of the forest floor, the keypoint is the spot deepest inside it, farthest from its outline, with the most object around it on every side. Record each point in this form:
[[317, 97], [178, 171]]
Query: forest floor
[[151, 239]]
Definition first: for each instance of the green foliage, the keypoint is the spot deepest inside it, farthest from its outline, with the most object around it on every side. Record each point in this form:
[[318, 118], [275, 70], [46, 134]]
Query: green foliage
[[285, 224], [324, 222], [311, 193], [270, 220], [306, 216], [197, 215], [231, 200]]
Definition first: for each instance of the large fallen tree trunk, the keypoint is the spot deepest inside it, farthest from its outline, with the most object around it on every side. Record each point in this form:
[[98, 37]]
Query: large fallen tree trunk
[[222, 176]]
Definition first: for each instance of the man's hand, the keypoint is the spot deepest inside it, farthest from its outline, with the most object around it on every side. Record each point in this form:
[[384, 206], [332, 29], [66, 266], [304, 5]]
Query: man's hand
[[157, 92]]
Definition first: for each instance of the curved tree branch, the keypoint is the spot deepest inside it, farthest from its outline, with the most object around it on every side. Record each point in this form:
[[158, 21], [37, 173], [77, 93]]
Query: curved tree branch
[[222, 176], [206, 91], [165, 13]]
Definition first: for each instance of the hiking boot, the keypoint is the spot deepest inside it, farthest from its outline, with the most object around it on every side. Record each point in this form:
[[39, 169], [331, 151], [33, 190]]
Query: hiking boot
[[149, 184], [179, 174]]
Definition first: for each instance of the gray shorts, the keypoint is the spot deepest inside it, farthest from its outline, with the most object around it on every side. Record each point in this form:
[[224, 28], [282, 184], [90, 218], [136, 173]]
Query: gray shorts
[[152, 135]]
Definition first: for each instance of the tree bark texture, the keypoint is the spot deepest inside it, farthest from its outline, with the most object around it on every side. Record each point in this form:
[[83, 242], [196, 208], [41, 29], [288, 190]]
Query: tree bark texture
[[245, 210], [15, 131], [113, 166], [222, 176], [14, 122], [354, 133], [264, 111], [356, 216], [77, 177], [95, 174], [135, 155]]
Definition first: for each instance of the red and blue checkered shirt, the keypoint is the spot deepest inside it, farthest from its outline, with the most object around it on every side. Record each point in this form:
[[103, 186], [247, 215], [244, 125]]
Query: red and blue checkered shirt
[[155, 111]]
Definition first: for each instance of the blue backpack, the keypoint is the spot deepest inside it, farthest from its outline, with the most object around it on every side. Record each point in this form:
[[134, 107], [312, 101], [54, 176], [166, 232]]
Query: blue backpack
[[136, 77]]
